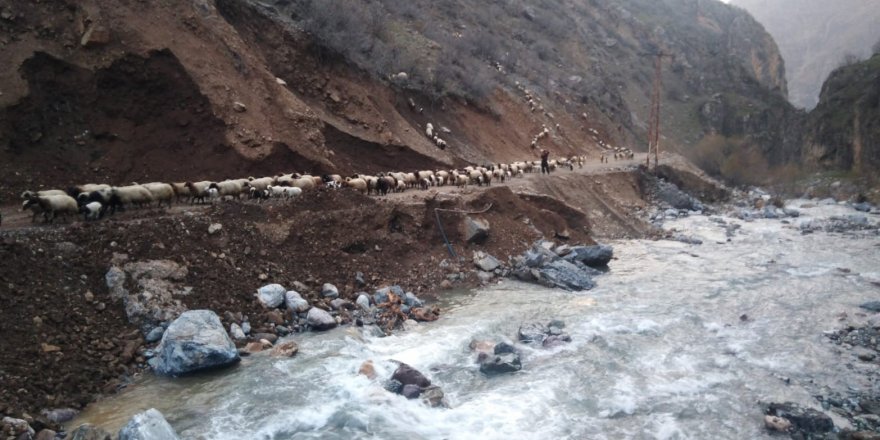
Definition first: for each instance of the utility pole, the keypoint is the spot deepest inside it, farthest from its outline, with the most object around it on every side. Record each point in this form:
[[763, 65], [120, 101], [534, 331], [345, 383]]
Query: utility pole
[[654, 118]]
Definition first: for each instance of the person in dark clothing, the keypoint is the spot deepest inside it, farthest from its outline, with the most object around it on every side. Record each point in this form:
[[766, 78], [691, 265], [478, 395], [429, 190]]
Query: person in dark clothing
[[545, 165]]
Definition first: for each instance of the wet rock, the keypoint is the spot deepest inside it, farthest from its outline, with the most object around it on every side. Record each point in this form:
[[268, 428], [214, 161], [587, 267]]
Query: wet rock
[[195, 341], [88, 432], [687, 239], [425, 314], [504, 348], [791, 212], [486, 262], [252, 348], [15, 427], [285, 349], [411, 391], [412, 300], [363, 301], [271, 295], [434, 397], [295, 302], [148, 425], [593, 256], [393, 386], [408, 375], [777, 424], [862, 207], [476, 230], [565, 275], [381, 295], [320, 319], [236, 332], [873, 306], [485, 277], [555, 340], [501, 364], [806, 420], [533, 332], [329, 291], [368, 369]]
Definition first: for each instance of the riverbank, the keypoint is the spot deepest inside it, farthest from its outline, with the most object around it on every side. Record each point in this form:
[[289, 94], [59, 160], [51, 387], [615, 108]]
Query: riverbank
[[69, 340]]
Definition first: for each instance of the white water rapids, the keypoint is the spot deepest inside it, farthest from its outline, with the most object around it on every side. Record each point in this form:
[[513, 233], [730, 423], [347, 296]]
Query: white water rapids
[[661, 349]]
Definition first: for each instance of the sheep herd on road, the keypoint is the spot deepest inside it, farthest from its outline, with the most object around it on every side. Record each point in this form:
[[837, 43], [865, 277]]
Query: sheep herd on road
[[94, 201]]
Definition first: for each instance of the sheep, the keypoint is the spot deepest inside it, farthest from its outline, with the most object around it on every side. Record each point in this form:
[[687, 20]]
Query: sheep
[[133, 194], [357, 184], [92, 211], [424, 184], [476, 176], [86, 188], [198, 190], [401, 186], [48, 192], [35, 208], [102, 196], [383, 185], [444, 176], [232, 188], [181, 191], [212, 194], [54, 205], [258, 184], [161, 192], [303, 183], [461, 180], [259, 194]]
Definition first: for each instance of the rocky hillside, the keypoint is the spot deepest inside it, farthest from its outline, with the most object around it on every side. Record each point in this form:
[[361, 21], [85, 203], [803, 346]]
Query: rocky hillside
[[844, 129], [118, 91], [814, 35]]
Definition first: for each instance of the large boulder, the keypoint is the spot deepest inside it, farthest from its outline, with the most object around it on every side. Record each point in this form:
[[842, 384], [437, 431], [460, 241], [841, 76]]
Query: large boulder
[[195, 341], [271, 296], [148, 425], [566, 275], [320, 319], [475, 230], [593, 256]]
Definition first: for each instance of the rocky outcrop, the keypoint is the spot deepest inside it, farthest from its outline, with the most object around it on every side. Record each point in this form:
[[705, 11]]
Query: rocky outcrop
[[149, 290], [148, 425], [193, 342], [543, 265]]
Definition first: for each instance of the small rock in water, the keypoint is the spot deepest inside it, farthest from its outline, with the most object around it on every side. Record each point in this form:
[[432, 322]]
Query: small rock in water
[[504, 348], [500, 364], [393, 386], [367, 369], [806, 420], [285, 349], [411, 391], [434, 397], [88, 432], [777, 424], [194, 341], [873, 306]]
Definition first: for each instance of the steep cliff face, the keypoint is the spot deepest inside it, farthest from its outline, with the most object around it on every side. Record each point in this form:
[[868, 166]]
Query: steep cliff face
[[116, 91], [814, 35], [844, 128]]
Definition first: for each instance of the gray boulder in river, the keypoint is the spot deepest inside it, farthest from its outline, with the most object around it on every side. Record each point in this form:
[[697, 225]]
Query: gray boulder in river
[[320, 319], [148, 425], [593, 256], [194, 341]]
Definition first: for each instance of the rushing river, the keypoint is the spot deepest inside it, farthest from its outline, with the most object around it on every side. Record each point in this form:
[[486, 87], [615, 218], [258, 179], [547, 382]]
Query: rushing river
[[677, 341]]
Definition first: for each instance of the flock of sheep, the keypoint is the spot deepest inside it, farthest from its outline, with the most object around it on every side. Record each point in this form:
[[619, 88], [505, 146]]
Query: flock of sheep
[[94, 201]]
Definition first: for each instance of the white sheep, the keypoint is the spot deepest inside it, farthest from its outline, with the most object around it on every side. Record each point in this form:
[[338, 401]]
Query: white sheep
[[52, 206], [92, 211], [198, 190], [357, 184], [231, 188], [48, 192], [161, 192], [133, 194], [35, 208]]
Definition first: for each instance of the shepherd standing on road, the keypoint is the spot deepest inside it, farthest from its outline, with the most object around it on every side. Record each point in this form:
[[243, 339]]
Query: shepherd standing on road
[[545, 164]]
